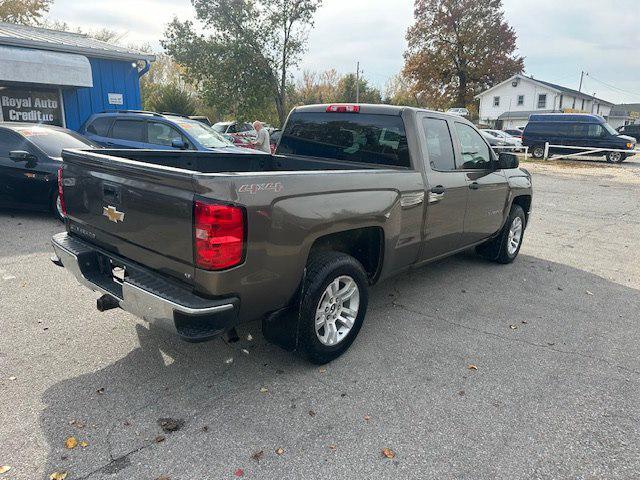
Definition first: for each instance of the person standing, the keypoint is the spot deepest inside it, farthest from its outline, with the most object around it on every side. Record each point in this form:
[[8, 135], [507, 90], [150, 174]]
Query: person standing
[[262, 142]]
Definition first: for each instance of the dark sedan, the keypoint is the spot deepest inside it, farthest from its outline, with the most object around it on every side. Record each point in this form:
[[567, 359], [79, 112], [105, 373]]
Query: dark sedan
[[30, 155]]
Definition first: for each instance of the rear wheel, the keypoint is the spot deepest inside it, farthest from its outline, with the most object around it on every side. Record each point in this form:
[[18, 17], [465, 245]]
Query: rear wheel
[[538, 151], [333, 307], [615, 157]]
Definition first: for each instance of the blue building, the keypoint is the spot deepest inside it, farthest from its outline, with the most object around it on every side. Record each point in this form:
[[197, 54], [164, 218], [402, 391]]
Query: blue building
[[61, 78]]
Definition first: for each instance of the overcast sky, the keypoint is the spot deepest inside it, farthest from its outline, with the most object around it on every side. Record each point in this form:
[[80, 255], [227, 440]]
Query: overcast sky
[[557, 38]]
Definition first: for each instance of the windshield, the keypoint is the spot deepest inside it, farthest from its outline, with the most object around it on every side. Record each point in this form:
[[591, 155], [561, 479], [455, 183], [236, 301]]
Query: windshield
[[610, 129], [52, 141], [206, 136]]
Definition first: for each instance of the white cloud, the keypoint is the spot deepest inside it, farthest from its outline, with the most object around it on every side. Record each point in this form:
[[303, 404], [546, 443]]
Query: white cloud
[[558, 38]]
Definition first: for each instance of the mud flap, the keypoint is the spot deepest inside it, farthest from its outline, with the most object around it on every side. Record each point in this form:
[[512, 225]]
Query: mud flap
[[281, 327]]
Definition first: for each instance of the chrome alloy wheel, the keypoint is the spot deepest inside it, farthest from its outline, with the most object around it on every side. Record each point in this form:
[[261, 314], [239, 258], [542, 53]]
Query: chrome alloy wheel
[[337, 310], [515, 236]]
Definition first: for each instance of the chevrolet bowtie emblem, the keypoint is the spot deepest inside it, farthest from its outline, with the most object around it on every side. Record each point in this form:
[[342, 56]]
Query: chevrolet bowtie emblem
[[113, 214]]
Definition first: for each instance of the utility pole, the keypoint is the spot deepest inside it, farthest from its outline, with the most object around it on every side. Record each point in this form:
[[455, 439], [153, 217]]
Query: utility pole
[[358, 82], [581, 77]]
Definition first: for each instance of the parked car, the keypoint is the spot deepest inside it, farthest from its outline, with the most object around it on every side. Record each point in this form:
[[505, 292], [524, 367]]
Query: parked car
[[463, 112], [150, 130], [236, 128], [631, 130], [514, 132], [504, 137], [202, 119], [259, 237], [30, 156], [238, 141], [575, 129], [274, 138]]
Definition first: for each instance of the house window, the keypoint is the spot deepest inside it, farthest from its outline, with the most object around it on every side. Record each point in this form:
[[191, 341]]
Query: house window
[[496, 101], [561, 100], [574, 103], [542, 100], [520, 100], [582, 104], [598, 109]]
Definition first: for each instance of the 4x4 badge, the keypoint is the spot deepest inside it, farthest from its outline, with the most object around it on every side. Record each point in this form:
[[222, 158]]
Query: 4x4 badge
[[113, 214]]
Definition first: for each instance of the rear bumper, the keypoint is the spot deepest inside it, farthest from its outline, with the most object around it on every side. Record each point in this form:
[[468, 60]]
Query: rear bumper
[[146, 293]]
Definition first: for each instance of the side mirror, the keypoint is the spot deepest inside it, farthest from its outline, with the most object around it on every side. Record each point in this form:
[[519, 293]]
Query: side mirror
[[507, 161], [179, 144], [22, 156]]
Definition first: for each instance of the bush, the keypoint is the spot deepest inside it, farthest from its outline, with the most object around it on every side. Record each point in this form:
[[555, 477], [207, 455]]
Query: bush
[[168, 98]]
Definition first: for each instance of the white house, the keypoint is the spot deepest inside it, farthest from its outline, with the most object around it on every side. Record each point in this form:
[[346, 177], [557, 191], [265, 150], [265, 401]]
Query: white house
[[509, 104]]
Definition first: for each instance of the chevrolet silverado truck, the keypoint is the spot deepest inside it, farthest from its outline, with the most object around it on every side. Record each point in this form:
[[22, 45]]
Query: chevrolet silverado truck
[[202, 242]]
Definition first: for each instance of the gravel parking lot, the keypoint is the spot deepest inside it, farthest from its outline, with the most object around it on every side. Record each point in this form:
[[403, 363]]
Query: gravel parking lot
[[554, 339]]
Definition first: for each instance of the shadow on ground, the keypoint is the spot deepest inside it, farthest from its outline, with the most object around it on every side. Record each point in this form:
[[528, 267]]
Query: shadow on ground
[[554, 394]]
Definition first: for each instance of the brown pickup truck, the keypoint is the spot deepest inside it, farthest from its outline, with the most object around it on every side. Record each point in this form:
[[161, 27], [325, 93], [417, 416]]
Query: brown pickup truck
[[354, 194]]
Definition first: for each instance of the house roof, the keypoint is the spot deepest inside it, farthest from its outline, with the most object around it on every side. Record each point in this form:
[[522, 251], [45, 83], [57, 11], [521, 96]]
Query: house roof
[[553, 86], [68, 42], [521, 114]]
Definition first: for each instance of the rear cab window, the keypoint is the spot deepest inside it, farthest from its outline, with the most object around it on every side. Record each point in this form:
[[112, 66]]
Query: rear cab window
[[353, 137]]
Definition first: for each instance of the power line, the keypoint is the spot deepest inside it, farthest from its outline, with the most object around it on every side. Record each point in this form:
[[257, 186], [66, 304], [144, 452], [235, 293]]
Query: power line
[[635, 94]]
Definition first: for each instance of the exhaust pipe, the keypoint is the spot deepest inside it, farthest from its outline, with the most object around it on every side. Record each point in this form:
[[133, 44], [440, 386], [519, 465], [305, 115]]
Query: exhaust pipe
[[107, 302]]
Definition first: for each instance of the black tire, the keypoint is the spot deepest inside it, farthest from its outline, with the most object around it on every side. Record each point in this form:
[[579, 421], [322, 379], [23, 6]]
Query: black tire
[[615, 157], [54, 206], [537, 151], [322, 269], [497, 249]]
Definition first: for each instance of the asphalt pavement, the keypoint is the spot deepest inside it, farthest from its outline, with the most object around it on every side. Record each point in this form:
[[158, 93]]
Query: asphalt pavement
[[464, 369]]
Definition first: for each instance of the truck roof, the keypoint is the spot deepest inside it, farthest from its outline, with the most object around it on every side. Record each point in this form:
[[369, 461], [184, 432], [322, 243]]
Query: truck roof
[[374, 109]]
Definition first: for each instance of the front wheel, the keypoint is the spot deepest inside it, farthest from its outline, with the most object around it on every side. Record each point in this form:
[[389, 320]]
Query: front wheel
[[615, 157], [506, 246], [334, 304]]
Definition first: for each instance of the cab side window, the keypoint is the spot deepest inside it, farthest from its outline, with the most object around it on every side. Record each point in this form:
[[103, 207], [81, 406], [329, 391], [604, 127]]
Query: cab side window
[[439, 144], [10, 141], [475, 151], [100, 126], [132, 130]]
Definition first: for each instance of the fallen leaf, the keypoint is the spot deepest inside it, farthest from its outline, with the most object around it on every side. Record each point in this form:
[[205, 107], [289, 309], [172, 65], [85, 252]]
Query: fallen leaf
[[100, 391], [229, 360], [58, 476], [126, 423], [589, 293], [205, 428], [367, 418], [322, 370], [245, 351], [249, 337], [524, 322], [387, 452], [461, 393], [77, 423], [513, 327], [332, 447], [312, 413], [12, 378], [239, 472], [170, 424], [264, 389], [257, 456], [471, 366], [84, 444], [71, 443], [4, 468], [279, 450], [160, 438]]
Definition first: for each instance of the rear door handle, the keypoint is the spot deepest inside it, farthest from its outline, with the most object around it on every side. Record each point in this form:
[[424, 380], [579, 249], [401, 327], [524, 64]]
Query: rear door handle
[[474, 186]]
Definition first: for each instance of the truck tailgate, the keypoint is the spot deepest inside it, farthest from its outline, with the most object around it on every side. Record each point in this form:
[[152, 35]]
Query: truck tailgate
[[140, 212]]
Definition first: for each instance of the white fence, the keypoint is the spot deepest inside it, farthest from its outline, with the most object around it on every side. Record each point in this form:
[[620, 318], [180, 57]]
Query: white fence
[[585, 151]]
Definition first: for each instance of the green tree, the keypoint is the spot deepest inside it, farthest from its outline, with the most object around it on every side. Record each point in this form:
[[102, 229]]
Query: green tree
[[24, 12], [401, 91], [169, 98], [346, 91], [458, 48], [244, 65]]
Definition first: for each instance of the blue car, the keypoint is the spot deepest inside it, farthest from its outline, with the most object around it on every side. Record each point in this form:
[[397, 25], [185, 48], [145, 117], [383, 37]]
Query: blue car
[[150, 130]]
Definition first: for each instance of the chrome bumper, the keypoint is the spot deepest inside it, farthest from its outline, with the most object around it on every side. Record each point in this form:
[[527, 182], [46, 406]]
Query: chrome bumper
[[194, 318]]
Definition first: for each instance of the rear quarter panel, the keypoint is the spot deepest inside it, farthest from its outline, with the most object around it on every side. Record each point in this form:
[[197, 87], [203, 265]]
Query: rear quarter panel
[[288, 211]]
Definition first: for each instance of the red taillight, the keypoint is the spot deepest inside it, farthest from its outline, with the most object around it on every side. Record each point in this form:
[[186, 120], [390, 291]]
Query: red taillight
[[343, 109], [60, 196], [218, 232]]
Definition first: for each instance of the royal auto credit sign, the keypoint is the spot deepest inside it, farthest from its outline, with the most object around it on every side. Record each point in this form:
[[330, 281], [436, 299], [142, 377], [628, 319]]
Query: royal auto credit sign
[[31, 105]]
